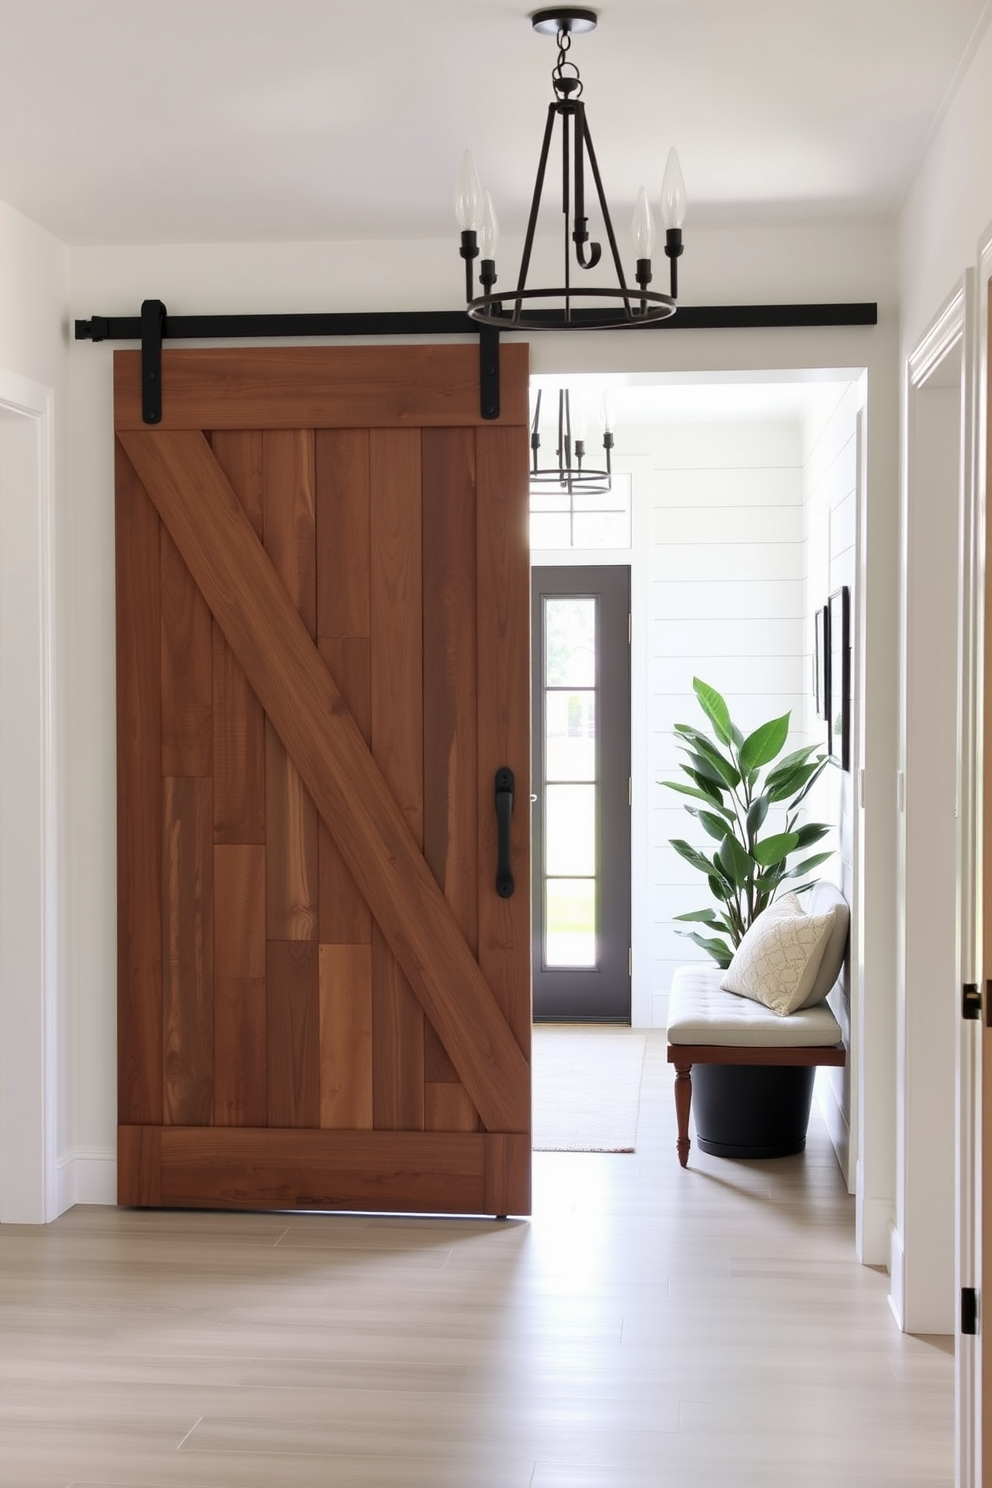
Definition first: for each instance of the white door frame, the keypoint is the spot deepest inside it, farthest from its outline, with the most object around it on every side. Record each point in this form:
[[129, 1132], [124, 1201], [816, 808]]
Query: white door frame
[[31, 960]]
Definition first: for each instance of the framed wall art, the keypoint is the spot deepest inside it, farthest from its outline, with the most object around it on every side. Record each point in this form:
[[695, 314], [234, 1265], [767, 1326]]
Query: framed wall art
[[838, 679]]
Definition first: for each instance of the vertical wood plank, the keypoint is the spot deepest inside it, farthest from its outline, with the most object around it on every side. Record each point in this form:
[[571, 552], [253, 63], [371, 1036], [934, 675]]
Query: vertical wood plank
[[396, 601], [288, 515], [139, 1166], [342, 516], [239, 1091], [187, 669], [508, 1174], [451, 765], [346, 1036], [292, 827], [238, 720], [293, 1033], [139, 805], [344, 915], [504, 717], [447, 1108], [187, 933], [291, 835], [397, 1044]]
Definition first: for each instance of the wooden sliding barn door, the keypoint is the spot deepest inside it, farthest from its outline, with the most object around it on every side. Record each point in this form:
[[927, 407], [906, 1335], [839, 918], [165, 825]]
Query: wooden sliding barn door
[[323, 661]]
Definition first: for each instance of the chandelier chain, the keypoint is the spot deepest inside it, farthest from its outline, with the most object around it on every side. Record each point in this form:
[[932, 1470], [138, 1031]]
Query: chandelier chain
[[562, 84]]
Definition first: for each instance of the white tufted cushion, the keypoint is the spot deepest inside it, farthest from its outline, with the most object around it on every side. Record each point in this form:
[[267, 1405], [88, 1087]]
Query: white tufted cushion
[[700, 1012]]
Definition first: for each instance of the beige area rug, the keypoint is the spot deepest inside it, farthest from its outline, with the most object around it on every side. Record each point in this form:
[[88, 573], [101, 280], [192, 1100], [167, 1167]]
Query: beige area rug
[[587, 1085]]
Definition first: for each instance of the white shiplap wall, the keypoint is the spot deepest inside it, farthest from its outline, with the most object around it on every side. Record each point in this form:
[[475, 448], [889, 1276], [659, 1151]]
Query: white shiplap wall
[[725, 601]]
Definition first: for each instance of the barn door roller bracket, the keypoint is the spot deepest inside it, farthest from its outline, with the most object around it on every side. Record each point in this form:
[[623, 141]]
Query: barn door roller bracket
[[489, 371], [152, 331], [504, 810]]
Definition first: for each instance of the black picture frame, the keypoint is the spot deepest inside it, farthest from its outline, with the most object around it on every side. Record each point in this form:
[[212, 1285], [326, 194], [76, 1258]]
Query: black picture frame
[[837, 639], [820, 662]]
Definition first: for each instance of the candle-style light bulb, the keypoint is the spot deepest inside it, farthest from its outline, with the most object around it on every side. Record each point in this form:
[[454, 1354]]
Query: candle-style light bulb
[[606, 412], [673, 197], [488, 229], [642, 226], [468, 195]]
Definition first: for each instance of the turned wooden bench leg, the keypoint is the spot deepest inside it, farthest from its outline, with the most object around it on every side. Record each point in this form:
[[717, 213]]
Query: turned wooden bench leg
[[683, 1101]]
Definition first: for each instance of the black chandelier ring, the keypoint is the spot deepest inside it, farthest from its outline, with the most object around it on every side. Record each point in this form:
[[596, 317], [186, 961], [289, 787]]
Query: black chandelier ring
[[641, 307]]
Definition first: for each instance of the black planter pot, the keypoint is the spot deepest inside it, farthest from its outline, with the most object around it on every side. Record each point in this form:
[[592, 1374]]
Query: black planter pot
[[758, 1110]]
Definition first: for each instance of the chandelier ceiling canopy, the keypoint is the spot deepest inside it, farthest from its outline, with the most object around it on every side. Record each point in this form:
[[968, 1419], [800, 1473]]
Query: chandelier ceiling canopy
[[570, 305]]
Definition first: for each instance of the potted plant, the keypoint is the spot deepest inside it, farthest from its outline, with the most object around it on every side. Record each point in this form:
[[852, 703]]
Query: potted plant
[[738, 784], [747, 797]]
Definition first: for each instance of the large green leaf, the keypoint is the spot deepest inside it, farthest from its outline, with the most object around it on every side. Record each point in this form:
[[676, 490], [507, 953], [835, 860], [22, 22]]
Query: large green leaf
[[791, 784], [775, 849], [718, 949], [756, 813], [790, 761], [692, 855], [808, 864], [713, 789], [715, 768], [734, 862], [716, 826], [693, 790], [704, 916], [715, 708], [811, 832], [761, 747], [721, 891]]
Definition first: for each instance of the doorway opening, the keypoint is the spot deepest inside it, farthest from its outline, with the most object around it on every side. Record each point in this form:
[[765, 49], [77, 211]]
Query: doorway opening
[[580, 637]]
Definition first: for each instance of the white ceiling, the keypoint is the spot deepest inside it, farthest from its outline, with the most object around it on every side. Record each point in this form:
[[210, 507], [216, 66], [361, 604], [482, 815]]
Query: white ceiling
[[125, 121]]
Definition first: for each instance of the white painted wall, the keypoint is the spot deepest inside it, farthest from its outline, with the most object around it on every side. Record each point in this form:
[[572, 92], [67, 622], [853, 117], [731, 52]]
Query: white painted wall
[[724, 604]]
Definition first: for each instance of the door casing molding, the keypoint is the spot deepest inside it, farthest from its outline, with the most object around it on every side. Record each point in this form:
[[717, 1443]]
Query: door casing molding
[[32, 1003]]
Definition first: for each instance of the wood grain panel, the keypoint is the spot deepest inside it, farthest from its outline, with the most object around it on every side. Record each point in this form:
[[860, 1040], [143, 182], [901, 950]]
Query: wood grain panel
[[139, 1166], [397, 621], [293, 1033], [346, 1036], [448, 1108], [187, 669], [396, 596], [288, 507], [238, 720], [238, 452], [187, 935], [241, 1168], [220, 548], [397, 1044], [508, 1170], [504, 726], [437, 1062], [342, 514], [345, 918], [239, 750], [139, 802], [291, 836], [451, 766], [239, 1096], [304, 387]]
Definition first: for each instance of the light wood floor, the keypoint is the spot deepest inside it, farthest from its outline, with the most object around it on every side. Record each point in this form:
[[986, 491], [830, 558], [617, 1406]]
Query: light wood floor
[[649, 1328]]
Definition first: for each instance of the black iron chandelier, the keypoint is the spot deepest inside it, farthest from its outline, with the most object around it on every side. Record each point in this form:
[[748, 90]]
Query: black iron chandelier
[[571, 473], [556, 308]]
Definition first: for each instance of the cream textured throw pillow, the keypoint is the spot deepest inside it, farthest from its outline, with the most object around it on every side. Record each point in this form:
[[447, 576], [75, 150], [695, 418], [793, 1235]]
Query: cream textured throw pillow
[[777, 961]]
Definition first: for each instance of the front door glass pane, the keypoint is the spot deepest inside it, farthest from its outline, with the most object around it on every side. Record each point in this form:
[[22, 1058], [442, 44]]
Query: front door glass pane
[[571, 784]]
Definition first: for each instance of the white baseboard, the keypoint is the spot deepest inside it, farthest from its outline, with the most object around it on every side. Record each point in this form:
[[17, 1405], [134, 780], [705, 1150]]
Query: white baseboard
[[836, 1123], [87, 1176], [872, 1227], [897, 1294]]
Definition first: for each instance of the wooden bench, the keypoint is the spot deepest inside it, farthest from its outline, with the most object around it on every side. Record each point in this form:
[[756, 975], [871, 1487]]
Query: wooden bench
[[709, 1026]]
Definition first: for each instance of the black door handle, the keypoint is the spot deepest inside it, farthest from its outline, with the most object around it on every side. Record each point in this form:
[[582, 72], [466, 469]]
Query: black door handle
[[504, 810]]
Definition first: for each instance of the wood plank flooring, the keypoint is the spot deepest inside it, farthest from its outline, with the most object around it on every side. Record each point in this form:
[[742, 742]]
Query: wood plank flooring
[[648, 1328]]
